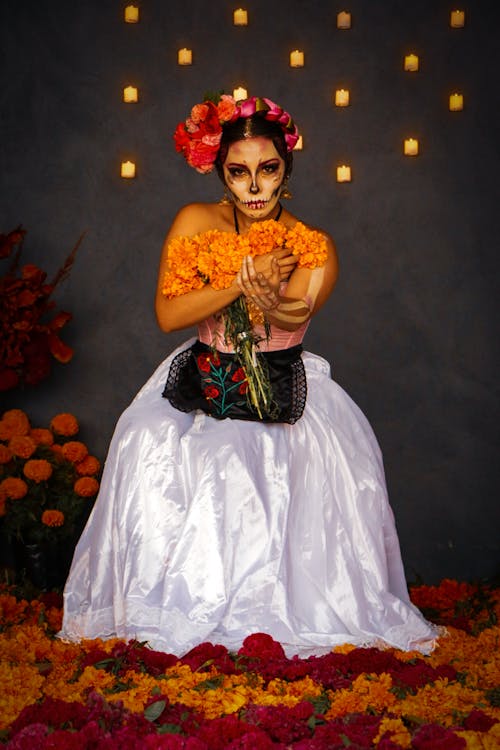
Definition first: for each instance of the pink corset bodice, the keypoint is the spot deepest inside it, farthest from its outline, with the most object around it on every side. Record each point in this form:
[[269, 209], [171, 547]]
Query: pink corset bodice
[[211, 331]]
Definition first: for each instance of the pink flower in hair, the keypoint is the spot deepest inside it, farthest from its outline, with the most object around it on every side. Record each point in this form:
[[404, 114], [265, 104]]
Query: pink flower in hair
[[226, 108], [199, 112]]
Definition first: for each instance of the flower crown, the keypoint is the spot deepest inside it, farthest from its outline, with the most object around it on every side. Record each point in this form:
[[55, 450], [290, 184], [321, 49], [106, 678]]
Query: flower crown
[[198, 137]]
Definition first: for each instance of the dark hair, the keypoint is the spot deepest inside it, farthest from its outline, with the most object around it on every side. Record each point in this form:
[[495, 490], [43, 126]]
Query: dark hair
[[252, 127]]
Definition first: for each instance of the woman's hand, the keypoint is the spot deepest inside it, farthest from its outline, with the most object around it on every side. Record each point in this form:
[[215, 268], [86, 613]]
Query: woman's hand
[[286, 263], [261, 289]]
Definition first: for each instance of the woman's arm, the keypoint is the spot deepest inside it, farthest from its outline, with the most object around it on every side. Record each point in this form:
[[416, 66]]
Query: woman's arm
[[191, 308], [306, 292]]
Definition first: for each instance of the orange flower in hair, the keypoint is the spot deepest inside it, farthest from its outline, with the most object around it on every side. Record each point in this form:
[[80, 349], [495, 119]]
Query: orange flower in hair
[[13, 488], [64, 424], [86, 486], [13, 422], [38, 470], [74, 451], [23, 447], [90, 465], [52, 518], [41, 436]]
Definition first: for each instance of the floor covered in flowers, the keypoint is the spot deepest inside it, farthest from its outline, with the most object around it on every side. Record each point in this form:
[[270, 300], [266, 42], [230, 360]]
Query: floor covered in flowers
[[113, 695]]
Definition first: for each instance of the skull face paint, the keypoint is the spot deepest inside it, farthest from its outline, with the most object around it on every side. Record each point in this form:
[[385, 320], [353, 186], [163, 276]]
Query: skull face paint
[[254, 172]]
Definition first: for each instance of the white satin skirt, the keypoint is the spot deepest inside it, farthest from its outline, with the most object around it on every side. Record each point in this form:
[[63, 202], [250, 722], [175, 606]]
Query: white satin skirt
[[210, 530]]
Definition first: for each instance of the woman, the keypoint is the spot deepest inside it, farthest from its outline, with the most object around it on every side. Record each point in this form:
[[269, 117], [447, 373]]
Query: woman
[[265, 511]]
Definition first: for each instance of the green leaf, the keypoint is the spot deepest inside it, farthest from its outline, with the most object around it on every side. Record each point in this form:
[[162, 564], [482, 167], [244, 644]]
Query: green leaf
[[154, 710]]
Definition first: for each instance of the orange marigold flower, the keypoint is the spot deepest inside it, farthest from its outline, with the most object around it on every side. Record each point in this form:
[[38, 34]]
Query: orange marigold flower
[[22, 446], [57, 450], [5, 454], [14, 422], [13, 488], [39, 470], [64, 424], [74, 451], [86, 486], [52, 518], [41, 436], [90, 465]]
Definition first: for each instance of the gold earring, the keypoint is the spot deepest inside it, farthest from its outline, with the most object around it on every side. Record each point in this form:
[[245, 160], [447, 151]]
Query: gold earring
[[285, 193], [225, 200]]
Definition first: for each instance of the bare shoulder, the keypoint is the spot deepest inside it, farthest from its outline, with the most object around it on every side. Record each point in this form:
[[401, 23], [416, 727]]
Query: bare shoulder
[[194, 218]]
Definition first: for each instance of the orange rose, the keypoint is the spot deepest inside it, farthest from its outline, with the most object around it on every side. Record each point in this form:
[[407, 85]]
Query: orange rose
[[90, 465], [42, 436], [86, 486], [64, 424], [24, 447], [74, 451], [14, 422], [13, 488], [52, 518], [5, 454], [39, 470]]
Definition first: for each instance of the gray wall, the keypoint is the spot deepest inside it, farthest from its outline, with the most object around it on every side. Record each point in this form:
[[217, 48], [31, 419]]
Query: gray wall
[[409, 328]]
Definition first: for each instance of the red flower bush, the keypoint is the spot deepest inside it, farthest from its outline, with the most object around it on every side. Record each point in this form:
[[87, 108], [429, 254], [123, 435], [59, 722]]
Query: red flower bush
[[29, 324]]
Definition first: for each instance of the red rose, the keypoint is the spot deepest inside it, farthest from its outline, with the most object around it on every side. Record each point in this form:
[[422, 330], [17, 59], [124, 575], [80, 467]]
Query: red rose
[[239, 375], [211, 391], [203, 362]]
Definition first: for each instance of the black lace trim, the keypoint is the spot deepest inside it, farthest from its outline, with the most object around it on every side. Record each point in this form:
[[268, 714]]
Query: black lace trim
[[201, 378]]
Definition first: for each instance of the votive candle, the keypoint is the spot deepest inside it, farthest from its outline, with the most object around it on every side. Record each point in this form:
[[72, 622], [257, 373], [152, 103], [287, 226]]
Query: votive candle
[[342, 98], [457, 19], [456, 102], [127, 169], [240, 93], [299, 145], [240, 17], [344, 173], [185, 56], [130, 94], [411, 147], [297, 59], [411, 62], [131, 14], [343, 20]]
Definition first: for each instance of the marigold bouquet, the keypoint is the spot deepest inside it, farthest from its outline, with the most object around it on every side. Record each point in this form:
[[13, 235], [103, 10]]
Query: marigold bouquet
[[214, 257], [47, 478], [30, 326]]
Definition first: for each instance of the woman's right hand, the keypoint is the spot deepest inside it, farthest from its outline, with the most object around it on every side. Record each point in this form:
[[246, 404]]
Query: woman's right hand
[[286, 263]]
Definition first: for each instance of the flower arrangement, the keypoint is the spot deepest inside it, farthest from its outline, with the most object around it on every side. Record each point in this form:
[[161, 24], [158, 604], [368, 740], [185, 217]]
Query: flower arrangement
[[214, 257], [114, 694], [47, 478], [198, 137], [29, 323]]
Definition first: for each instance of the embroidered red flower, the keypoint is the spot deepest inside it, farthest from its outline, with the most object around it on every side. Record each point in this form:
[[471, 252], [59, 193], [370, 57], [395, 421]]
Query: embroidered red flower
[[211, 391], [204, 361], [239, 375]]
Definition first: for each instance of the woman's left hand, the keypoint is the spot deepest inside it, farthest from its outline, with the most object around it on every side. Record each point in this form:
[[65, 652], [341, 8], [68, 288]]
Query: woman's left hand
[[261, 289]]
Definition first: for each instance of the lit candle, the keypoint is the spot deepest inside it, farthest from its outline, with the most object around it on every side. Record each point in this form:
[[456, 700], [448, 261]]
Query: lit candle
[[130, 94], [296, 59], [127, 169], [343, 173], [411, 62], [240, 17], [341, 98], [185, 56], [344, 20], [457, 19], [131, 14], [240, 94], [299, 145], [411, 147], [456, 102]]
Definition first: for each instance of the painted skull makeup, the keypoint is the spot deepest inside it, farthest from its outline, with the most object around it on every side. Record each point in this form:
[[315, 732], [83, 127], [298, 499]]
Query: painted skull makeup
[[254, 172]]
